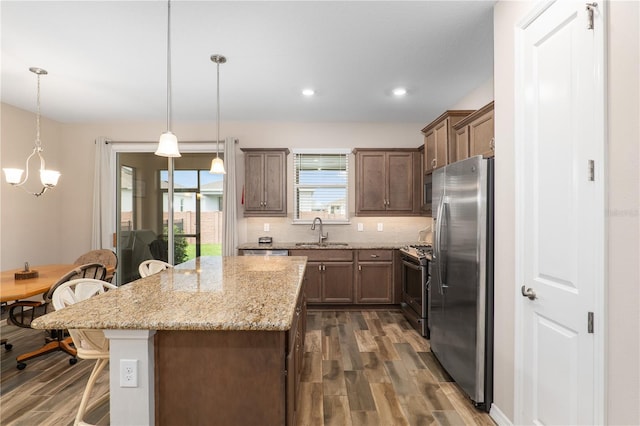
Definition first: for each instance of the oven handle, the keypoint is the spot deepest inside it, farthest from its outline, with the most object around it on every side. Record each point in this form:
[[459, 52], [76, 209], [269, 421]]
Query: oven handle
[[412, 265]]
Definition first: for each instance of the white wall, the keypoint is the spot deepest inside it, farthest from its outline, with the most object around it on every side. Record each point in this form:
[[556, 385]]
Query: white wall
[[72, 151], [477, 98], [623, 286], [623, 227], [30, 227], [506, 15]]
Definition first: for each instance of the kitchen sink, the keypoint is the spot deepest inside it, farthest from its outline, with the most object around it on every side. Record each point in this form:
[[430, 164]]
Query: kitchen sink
[[318, 245]]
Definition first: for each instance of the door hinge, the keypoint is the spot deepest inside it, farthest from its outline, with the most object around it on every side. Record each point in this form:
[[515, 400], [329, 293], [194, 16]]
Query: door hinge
[[590, 11], [590, 322], [592, 170]]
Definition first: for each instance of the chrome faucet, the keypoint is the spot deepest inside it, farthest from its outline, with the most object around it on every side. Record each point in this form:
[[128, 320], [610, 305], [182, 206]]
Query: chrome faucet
[[321, 237]]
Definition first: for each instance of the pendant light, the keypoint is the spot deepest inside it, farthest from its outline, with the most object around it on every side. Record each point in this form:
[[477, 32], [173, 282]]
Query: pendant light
[[48, 178], [217, 165], [168, 143]]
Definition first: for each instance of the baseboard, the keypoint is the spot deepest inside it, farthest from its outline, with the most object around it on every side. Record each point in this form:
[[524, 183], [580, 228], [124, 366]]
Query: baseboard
[[499, 417]]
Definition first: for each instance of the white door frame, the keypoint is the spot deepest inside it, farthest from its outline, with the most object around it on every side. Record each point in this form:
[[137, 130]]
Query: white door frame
[[600, 125]]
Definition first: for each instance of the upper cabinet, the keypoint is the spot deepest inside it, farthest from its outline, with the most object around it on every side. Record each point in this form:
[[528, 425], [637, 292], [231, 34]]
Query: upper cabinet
[[388, 182], [265, 182], [474, 134], [439, 140]]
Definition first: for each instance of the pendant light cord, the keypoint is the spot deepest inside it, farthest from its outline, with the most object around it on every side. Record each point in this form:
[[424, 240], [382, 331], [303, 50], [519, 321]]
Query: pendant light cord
[[38, 143], [218, 109], [168, 65]]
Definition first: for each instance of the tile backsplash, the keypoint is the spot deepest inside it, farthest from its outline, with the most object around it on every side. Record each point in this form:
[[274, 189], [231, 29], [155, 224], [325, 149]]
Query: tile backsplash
[[394, 229]]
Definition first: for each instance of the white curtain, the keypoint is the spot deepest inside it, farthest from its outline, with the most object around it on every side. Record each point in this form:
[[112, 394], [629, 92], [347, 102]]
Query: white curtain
[[103, 186], [229, 204]]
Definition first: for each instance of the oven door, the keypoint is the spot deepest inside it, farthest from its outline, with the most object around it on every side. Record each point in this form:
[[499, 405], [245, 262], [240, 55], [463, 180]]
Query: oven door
[[414, 286]]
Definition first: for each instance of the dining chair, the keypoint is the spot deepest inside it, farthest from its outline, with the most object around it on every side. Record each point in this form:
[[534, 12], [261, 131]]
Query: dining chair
[[55, 340], [90, 344], [152, 266], [104, 256]]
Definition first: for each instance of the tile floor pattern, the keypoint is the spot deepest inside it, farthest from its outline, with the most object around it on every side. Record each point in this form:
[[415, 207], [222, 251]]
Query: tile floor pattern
[[372, 368], [360, 368]]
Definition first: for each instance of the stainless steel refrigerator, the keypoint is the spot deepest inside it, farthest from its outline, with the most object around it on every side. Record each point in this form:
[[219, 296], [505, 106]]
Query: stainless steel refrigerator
[[461, 293]]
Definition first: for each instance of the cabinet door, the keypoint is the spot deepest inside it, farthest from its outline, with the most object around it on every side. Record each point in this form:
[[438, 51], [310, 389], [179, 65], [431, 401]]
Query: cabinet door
[[253, 185], [371, 181], [429, 151], [337, 282], [462, 143], [313, 282], [481, 140], [274, 182], [375, 282], [441, 136], [400, 181]]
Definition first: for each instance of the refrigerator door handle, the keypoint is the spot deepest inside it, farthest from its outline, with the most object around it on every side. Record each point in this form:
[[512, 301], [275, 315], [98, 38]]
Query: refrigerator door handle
[[437, 248], [442, 270]]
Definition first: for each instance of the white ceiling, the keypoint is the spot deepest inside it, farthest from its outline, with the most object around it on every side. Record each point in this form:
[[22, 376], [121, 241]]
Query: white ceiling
[[107, 59]]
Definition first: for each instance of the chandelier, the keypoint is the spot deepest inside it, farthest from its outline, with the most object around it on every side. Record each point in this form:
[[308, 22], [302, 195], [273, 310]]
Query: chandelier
[[48, 178]]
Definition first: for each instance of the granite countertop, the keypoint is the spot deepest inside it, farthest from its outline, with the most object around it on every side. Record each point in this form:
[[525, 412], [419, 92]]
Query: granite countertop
[[329, 245], [209, 293]]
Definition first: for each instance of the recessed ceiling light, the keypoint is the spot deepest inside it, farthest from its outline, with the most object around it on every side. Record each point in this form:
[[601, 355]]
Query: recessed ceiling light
[[308, 92], [399, 91]]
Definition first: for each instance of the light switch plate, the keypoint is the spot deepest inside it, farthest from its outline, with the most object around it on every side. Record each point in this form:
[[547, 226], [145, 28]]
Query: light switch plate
[[360, 227], [380, 227], [266, 227]]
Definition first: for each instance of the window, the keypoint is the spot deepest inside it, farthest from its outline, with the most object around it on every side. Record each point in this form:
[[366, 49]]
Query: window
[[321, 186]]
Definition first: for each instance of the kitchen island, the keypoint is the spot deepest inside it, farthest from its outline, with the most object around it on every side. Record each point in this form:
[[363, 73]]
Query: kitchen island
[[216, 340]]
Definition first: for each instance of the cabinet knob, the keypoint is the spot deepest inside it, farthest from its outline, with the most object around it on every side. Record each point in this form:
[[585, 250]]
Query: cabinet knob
[[359, 267], [374, 255], [434, 163]]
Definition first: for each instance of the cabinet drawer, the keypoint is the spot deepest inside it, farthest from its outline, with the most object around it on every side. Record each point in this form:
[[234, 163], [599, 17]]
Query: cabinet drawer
[[375, 255], [324, 255]]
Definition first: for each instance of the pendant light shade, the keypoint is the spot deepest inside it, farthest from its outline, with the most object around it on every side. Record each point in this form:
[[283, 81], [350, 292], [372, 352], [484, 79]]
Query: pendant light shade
[[48, 178], [217, 165], [168, 143]]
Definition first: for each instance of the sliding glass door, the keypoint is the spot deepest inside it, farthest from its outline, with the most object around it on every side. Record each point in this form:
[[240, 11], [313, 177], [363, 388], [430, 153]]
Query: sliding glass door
[[142, 194]]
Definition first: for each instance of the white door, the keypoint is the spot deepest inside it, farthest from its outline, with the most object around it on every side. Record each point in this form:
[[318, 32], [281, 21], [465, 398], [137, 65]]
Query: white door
[[560, 251]]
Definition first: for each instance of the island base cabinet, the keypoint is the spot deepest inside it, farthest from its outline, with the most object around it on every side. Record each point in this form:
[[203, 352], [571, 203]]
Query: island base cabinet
[[221, 378]]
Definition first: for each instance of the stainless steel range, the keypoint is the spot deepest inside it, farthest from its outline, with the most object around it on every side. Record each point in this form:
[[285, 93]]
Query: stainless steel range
[[416, 261]]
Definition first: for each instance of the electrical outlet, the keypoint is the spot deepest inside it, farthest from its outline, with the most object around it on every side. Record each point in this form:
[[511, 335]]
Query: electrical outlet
[[360, 227], [380, 227], [266, 227], [128, 373]]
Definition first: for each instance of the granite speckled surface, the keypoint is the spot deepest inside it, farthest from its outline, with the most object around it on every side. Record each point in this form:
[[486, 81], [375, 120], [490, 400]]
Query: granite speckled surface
[[327, 246], [209, 293]]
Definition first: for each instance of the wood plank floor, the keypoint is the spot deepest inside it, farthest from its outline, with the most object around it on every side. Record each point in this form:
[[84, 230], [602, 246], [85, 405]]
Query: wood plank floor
[[360, 368], [372, 368]]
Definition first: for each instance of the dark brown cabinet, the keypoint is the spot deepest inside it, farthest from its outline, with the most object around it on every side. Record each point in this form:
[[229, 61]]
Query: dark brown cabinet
[[329, 275], [237, 377], [295, 353], [439, 140], [374, 276], [388, 182], [265, 184], [475, 134]]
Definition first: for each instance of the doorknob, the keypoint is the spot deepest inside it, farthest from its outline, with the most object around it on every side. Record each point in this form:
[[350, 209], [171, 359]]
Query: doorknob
[[529, 293]]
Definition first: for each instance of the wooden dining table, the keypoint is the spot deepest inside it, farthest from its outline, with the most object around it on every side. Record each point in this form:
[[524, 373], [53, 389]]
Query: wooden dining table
[[12, 289]]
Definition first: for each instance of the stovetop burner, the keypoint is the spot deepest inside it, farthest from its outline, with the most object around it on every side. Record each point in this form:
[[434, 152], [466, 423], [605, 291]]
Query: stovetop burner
[[418, 252]]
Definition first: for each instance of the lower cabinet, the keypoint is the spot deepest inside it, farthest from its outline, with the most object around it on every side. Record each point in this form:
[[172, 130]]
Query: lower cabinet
[[329, 275], [374, 276], [231, 377], [332, 276]]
